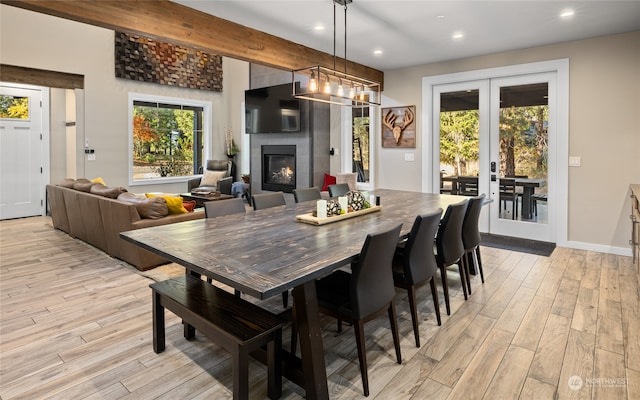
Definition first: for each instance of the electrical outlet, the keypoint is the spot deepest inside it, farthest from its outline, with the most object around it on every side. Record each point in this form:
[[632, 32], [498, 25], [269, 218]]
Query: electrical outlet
[[408, 157], [91, 157]]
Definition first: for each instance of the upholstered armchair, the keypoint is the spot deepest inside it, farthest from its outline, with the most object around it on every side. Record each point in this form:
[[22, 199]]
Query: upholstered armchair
[[216, 176]]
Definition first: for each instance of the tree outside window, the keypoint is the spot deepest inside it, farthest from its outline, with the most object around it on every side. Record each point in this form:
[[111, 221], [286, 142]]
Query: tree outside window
[[167, 139]]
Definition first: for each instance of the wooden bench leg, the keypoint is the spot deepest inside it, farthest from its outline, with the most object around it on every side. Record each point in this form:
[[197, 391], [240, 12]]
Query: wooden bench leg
[[189, 331], [158, 324], [274, 366], [240, 370]]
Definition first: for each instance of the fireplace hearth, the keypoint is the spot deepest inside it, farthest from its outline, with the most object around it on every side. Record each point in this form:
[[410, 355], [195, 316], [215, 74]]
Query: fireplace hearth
[[279, 168]]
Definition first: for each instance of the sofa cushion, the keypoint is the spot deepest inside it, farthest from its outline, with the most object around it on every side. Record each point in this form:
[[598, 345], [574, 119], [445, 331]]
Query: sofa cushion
[[211, 178], [67, 183], [83, 185], [152, 208], [106, 191]]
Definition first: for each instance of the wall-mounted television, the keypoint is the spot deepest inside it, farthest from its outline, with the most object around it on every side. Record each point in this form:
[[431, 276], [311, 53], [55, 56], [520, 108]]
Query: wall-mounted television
[[272, 109]]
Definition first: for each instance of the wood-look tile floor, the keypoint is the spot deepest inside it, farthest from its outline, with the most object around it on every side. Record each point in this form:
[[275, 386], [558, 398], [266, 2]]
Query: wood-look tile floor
[[76, 323]]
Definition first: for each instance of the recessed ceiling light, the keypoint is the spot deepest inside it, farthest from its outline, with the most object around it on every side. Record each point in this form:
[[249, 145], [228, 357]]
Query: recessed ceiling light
[[458, 35], [567, 14], [378, 52], [439, 16], [318, 28]]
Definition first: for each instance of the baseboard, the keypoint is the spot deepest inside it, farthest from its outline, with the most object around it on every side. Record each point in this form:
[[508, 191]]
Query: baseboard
[[619, 251]]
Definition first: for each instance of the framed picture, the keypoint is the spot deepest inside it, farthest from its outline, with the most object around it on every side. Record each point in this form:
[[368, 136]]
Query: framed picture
[[399, 127]]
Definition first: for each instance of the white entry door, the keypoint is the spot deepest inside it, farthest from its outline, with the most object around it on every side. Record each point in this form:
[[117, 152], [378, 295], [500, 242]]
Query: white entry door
[[21, 152]]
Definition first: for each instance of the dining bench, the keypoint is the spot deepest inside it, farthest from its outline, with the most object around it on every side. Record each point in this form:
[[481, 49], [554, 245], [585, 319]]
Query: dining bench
[[232, 323]]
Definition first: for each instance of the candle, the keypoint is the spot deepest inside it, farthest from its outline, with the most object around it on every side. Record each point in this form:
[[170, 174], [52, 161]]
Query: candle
[[321, 209], [342, 200]]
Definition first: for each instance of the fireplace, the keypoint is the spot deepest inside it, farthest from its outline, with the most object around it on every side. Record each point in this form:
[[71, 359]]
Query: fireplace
[[279, 168]]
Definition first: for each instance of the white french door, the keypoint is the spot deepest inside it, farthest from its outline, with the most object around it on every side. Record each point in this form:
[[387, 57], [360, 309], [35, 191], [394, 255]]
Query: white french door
[[502, 132], [523, 134], [21, 153]]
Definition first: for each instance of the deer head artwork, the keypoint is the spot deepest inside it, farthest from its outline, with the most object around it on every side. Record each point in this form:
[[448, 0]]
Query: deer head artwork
[[389, 121]]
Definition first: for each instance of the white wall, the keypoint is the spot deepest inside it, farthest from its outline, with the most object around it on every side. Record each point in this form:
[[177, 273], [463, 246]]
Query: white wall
[[603, 130], [61, 45]]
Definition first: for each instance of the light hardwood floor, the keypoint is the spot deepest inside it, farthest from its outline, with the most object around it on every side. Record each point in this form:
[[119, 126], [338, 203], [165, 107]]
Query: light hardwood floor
[[76, 323]]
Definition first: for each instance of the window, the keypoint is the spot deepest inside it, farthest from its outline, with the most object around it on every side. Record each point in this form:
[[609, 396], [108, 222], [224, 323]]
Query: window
[[166, 138], [12, 107], [360, 146]]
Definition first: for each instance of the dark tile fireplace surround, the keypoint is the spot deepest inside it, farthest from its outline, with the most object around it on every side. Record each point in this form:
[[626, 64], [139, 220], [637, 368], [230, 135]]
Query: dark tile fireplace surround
[[285, 161]]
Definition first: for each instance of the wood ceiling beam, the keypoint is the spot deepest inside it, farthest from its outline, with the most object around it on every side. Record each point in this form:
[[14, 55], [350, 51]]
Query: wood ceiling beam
[[175, 23], [40, 77]]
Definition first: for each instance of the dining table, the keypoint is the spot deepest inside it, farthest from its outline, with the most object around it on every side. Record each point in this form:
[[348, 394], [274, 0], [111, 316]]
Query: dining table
[[267, 252], [528, 189]]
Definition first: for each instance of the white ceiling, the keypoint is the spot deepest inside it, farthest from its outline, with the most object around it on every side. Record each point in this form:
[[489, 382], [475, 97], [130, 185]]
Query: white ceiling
[[415, 32]]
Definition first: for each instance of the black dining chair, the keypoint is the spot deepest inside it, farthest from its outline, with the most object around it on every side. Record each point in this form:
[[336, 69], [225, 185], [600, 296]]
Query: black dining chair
[[365, 293], [449, 247], [218, 208], [267, 200], [306, 194], [471, 237], [339, 189], [414, 264]]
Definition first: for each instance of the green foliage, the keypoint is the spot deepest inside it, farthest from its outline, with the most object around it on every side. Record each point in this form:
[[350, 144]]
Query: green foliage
[[523, 140], [459, 142], [172, 167], [361, 132], [164, 134], [14, 107]]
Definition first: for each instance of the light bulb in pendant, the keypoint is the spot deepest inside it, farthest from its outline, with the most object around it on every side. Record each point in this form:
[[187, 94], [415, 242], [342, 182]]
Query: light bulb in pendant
[[313, 83], [340, 89], [352, 92], [327, 87]]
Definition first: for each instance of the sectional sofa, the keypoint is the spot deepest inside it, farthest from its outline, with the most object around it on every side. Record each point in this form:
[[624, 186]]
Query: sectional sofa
[[95, 215]]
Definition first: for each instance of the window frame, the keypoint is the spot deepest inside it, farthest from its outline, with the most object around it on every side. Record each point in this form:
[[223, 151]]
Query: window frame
[[206, 133]]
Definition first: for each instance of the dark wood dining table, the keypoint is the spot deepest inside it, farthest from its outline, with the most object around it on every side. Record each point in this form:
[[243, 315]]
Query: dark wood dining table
[[267, 252], [528, 189]]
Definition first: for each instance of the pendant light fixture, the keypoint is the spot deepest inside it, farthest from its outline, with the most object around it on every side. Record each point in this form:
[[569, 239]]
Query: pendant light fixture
[[319, 83]]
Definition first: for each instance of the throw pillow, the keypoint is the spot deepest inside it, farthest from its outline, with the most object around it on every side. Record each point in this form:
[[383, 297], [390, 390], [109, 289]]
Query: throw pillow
[[328, 180], [174, 204], [98, 180], [189, 205], [211, 178], [154, 208]]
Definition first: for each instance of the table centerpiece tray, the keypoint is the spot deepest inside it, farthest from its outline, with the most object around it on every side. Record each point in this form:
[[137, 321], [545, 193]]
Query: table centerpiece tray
[[310, 219]]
